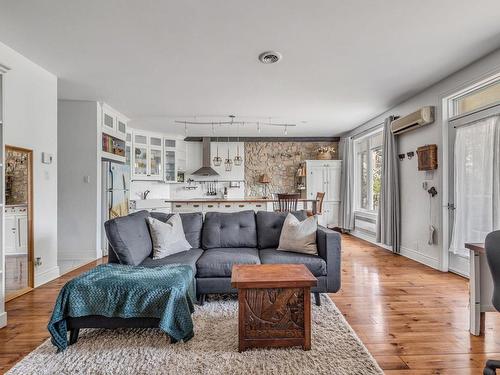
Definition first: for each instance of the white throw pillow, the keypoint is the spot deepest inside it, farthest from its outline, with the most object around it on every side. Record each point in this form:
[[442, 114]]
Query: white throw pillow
[[299, 236], [168, 238]]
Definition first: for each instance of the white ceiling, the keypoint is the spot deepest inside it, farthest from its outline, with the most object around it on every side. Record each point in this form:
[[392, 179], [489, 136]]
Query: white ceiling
[[343, 61]]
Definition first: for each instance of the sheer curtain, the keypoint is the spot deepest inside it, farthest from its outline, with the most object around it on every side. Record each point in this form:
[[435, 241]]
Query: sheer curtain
[[477, 183]]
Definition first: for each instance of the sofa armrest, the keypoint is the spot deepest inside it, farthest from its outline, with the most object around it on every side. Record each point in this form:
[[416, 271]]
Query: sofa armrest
[[329, 248]]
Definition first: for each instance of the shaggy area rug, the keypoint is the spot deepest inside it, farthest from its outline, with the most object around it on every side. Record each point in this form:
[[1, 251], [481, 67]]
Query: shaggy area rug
[[214, 349]]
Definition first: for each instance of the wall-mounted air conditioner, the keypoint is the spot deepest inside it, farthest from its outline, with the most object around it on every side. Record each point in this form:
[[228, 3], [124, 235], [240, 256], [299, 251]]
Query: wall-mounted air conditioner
[[424, 116]]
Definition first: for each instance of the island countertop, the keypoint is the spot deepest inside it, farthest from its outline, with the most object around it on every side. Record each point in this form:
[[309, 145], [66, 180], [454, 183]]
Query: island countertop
[[229, 200], [206, 204]]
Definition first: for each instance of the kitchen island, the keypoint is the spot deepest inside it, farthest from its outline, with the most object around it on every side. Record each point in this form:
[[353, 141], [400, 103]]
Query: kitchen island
[[211, 204]]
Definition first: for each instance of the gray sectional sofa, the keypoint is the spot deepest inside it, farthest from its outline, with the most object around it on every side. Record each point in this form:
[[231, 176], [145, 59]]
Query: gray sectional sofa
[[221, 240]]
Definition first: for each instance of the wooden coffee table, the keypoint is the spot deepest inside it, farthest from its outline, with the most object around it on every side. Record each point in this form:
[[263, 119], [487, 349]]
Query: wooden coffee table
[[274, 305]]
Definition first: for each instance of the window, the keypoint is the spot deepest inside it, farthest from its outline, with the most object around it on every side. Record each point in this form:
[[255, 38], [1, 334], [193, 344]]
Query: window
[[368, 171], [479, 98]]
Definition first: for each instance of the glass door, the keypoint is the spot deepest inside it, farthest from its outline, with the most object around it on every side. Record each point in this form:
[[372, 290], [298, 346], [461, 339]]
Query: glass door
[[154, 162], [140, 156], [170, 166]]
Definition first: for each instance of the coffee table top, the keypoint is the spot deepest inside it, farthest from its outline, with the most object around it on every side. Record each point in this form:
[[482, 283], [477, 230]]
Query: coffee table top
[[271, 276]]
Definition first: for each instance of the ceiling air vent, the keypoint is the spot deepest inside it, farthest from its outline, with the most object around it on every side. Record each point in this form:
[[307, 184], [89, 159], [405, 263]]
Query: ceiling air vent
[[269, 57]]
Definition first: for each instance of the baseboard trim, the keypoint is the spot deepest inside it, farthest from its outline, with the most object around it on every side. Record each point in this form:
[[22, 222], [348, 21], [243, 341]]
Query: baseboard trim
[[46, 276], [368, 238], [76, 255], [3, 319], [419, 257]]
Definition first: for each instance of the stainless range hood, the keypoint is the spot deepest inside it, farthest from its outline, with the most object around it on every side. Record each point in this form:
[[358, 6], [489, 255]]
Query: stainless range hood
[[206, 169]]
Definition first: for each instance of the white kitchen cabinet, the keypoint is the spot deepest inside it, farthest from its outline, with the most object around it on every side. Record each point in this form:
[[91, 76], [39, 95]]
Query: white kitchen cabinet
[[108, 119], [10, 234], [210, 207], [16, 230], [324, 176], [174, 158], [121, 125], [165, 210], [147, 157], [180, 207], [170, 159], [128, 148], [226, 207], [113, 123]]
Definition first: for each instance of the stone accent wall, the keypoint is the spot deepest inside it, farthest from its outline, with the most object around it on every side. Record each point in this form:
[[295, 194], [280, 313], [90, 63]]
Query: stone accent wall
[[280, 160], [16, 177]]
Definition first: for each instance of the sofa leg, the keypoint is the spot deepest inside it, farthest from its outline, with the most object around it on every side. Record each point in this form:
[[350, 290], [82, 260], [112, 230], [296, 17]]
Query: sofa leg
[[73, 335], [201, 299], [317, 299]]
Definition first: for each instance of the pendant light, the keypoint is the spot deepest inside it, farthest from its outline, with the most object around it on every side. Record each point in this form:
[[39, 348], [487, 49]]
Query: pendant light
[[217, 159], [238, 160], [228, 163]]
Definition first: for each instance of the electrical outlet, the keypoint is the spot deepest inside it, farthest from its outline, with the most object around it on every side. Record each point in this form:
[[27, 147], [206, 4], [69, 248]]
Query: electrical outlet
[[38, 261]]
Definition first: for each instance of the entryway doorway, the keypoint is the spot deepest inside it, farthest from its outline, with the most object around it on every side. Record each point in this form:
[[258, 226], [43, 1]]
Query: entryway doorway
[[471, 184], [19, 261]]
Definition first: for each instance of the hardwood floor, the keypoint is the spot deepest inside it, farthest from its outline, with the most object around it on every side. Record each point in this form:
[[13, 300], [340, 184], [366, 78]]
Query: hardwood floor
[[413, 319]]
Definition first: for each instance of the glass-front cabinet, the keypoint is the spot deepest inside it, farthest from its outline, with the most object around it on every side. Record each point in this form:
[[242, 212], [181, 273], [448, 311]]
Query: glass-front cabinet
[[128, 149], [170, 160], [147, 157]]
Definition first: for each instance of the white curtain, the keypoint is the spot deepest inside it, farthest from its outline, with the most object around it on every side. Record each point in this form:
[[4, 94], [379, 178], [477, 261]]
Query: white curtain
[[477, 183], [346, 186]]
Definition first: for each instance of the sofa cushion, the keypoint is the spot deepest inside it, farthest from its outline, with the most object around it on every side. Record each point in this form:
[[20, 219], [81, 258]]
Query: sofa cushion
[[188, 258], [231, 230], [219, 262], [129, 238], [192, 223], [299, 236], [269, 226], [168, 238], [316, 264]]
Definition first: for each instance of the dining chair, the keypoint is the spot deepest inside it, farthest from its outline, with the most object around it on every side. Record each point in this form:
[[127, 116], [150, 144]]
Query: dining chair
[[288, 202], [318, 209]]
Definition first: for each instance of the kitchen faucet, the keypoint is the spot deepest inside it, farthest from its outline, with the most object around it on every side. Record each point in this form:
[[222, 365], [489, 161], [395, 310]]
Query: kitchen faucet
[[145, 194]]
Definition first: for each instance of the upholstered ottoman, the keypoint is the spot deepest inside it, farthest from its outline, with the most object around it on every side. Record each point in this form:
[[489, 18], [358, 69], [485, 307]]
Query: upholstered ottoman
[[120, 296]]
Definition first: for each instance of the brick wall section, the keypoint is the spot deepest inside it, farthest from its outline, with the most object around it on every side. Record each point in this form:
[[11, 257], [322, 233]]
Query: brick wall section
[[280, 160], [16, 177]]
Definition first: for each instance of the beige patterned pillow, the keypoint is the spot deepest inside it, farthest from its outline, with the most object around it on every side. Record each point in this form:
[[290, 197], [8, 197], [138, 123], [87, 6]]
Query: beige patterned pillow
[[299, 236]]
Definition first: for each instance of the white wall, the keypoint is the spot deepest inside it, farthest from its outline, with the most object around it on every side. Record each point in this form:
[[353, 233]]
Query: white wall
[[415, 200], [78, 211], [157, 189], [30, 103]]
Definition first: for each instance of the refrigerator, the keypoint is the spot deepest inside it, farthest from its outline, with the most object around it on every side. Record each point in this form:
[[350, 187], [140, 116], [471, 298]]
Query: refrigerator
[[115, 195]]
